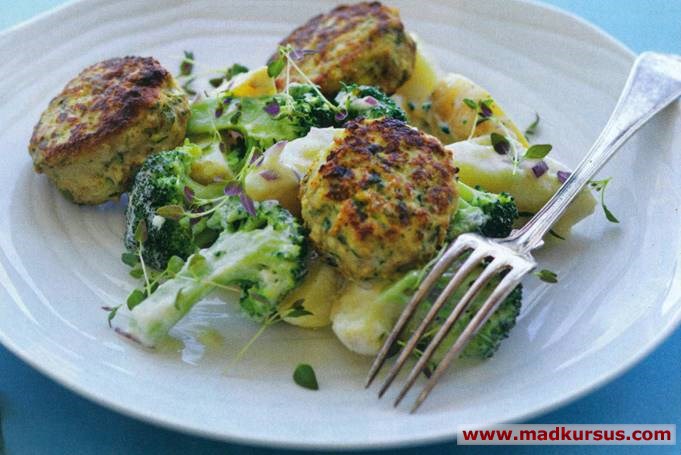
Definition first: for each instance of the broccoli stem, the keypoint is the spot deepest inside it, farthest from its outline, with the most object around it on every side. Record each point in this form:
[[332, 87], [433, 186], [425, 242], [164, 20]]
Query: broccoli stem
[[232, 259], [466, 192]]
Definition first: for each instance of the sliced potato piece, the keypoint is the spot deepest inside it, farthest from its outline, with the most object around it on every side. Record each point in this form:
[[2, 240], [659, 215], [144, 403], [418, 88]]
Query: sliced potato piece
[[317, 294], [252, 84], [447, 112], [479, 164], [361, 320], [423, 79], [279, 174]]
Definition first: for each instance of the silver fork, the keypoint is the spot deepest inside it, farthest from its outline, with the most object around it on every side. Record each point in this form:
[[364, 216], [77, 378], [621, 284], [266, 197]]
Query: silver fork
[[654, 82]]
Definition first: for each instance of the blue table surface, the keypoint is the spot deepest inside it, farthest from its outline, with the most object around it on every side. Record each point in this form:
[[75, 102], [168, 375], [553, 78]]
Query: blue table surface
[[41, 417]]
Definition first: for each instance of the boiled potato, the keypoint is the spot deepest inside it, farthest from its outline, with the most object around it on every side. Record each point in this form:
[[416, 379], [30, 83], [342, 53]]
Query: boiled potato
[[423, 79], [361, 320], [279, 174], [446, 113], [318, 291], [252, 84], [479, 164]]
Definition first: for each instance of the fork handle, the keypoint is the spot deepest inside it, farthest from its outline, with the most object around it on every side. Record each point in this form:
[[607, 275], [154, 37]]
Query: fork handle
[[654, 82]]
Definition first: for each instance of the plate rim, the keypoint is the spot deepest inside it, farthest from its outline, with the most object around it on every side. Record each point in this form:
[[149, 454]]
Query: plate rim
[[76, 386]]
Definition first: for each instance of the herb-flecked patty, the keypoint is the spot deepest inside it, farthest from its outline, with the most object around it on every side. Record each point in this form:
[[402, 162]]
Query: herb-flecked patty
[[364, 43], [380, 198], [105, 122]]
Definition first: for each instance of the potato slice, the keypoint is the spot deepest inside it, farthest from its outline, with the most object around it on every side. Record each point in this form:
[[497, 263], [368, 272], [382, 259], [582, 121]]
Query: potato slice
[[479, 164], [253, 83], [318, 292]]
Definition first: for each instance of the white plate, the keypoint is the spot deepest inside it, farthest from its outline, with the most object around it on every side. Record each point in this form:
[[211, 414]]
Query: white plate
[[618, 296]]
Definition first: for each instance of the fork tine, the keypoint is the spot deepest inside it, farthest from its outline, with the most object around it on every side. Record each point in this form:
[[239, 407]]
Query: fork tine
[[471, 262], [503, 289], [492, 269], [447, 259]]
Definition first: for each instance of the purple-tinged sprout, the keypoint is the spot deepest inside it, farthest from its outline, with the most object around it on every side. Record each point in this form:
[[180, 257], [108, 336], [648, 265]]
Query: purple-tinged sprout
[[299, 54], [247, 202], [485, 110], [272, 108], [219, 111], [269, 175], [232, 189], [227, 100], [257, 156], [188, 195], [341, 115], [540, 168], [563, 176], [127, 335], [277, 147], [370, 100]]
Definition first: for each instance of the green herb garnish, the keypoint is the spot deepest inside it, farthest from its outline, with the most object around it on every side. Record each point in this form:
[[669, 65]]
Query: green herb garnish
[[500, 144], [297, 309], [187, 64], [532, 129], [547, 276], [470, 103], [537, 152], [276, 66], [599, 186], [305, 377]]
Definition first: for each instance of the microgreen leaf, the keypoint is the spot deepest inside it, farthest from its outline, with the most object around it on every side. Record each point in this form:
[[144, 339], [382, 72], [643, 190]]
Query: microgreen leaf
[[297, 309], [500, 144], [235, 69], [130, 259], [599, 186], [135, 298], [305, 377], [175, 264], [136, 272], [272, 108], [275, 67], [247, 203], [187, 64], [112, 314], [532, 129], [141, 232], [470, 103], [486, 108], [188, 195], [173, 212], [198, 265], [547, 276], [537, 152], [609, 215]]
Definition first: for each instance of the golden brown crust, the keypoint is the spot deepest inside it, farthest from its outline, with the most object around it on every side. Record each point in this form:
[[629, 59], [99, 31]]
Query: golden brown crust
[[100, 102], [363, 43], [382, 199]]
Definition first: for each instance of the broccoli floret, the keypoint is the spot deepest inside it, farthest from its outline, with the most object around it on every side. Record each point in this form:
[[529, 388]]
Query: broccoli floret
[[486, 341], [262, 255], [368, 102], [161, 181], [489, 214], [260, 121]]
